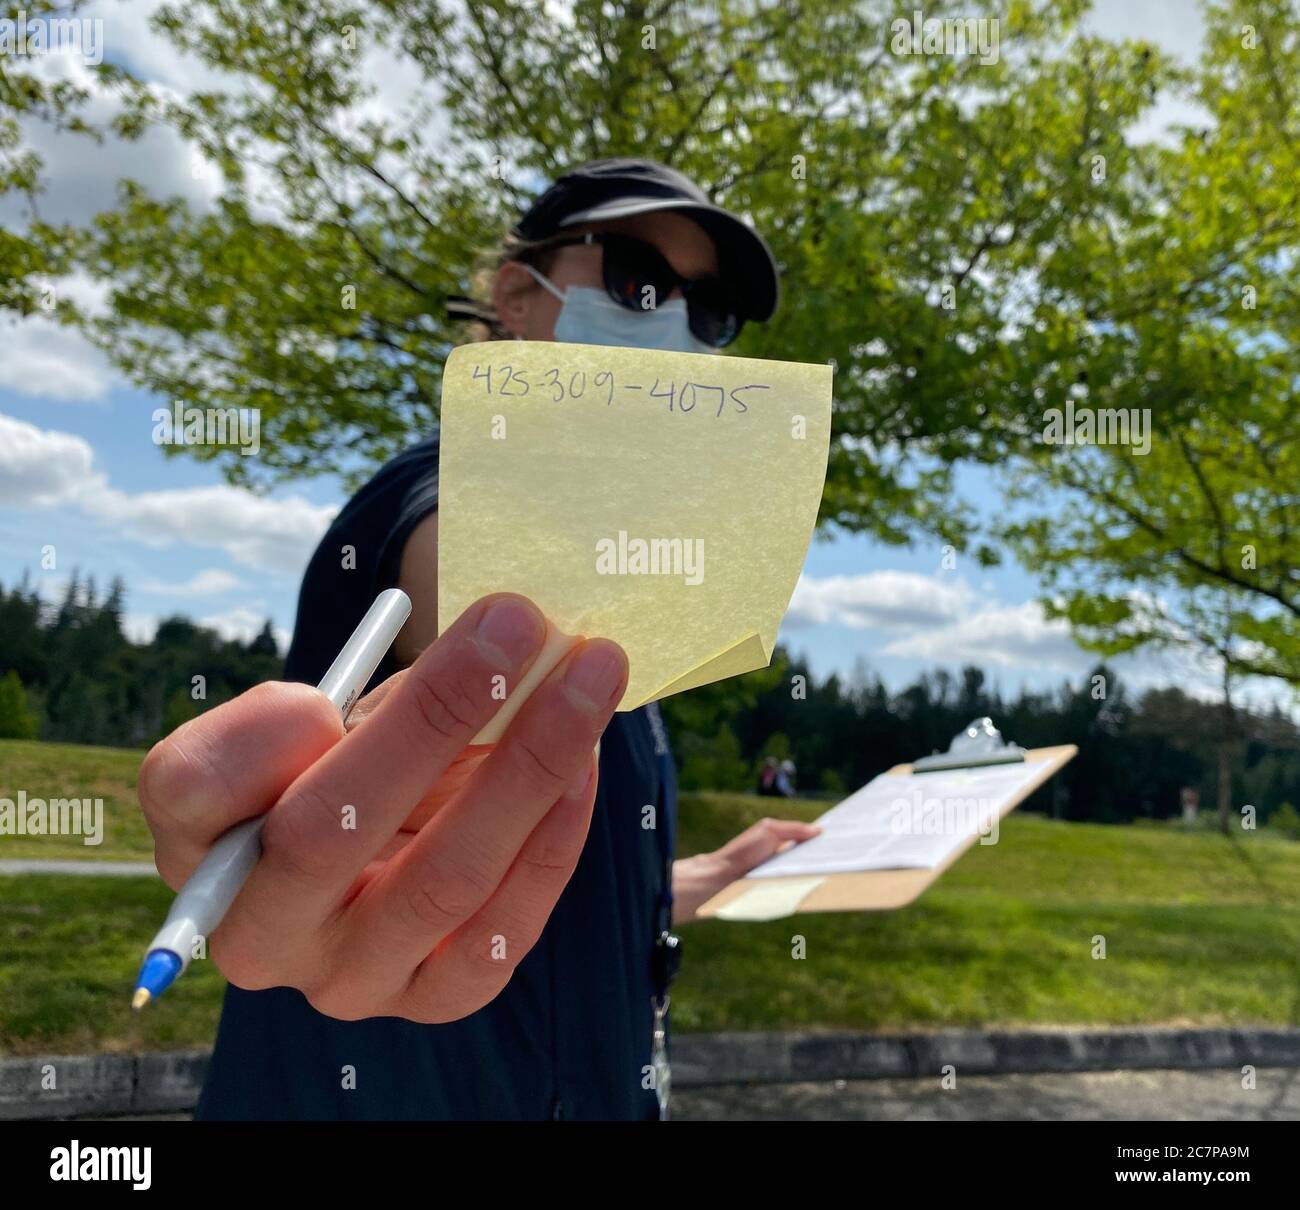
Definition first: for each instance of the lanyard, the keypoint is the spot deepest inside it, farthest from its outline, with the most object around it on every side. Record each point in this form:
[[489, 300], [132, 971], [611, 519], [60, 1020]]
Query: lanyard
[[667, 946]]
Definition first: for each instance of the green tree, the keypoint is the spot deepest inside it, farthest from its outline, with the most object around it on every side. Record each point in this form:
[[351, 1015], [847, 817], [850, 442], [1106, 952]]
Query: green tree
[[16, 719], [973, 243], [909, 197], [1286, 819], [832, 783], [777, 744], [1191, 316], [181, 707], [716, 764], [32, 252]]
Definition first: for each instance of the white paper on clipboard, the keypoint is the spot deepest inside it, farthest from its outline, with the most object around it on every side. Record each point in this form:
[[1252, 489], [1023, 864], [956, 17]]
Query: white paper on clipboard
[[906, 821]]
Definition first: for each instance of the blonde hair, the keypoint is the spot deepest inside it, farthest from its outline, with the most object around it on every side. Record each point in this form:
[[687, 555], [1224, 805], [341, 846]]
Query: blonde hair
[[481, 322]]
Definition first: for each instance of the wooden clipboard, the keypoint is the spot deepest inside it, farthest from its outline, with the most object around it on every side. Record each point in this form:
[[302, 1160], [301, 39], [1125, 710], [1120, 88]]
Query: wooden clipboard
[[885, 890]]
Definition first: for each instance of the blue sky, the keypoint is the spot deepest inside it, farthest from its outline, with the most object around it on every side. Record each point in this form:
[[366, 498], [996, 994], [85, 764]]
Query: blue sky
[[79, 472]]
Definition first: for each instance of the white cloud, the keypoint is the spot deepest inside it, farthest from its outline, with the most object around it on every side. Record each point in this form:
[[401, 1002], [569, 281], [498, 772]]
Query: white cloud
[[938, 618], [140, 627], [79, 176], [129, 38], [43, 359], [212, 581], [46, 468], [879, 600], [244, 625], [90, 294], [255, 531], [42, 467], [1008, 636], [1176, 26], [240, 624]]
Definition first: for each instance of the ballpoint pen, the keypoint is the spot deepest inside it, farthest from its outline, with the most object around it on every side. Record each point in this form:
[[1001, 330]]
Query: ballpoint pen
[[202, 902]]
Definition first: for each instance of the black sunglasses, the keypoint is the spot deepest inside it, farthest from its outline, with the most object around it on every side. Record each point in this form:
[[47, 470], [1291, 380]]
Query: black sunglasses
[[630, 266]]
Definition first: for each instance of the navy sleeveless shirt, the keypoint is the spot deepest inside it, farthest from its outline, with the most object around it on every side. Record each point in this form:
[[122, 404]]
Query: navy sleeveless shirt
[[570, 1035]]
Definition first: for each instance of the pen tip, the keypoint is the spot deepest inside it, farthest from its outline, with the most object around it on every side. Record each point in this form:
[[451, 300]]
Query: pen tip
[[140, 999]]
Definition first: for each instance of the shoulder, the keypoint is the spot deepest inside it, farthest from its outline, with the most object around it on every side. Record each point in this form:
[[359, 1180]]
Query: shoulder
[[400, 485], [360, 555], [379, 518]]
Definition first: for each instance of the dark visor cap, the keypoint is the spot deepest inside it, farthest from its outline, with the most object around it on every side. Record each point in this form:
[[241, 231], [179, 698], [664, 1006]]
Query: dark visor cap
[[620, 188]]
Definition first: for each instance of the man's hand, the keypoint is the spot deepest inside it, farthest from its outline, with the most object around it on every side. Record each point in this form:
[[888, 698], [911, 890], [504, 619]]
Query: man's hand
[[379, 892], [697, 879]]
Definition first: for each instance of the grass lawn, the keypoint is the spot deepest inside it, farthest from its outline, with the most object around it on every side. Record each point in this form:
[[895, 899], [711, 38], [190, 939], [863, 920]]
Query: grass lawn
[[1197, 929], [76, 771], [69, 952]]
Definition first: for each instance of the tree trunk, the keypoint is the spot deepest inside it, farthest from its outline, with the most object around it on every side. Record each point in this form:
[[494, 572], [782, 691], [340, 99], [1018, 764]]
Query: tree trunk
[[1226, 748], [1225, 789]]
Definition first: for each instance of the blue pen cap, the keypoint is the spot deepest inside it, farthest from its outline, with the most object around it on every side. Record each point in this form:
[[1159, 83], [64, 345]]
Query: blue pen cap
[[158, 972]]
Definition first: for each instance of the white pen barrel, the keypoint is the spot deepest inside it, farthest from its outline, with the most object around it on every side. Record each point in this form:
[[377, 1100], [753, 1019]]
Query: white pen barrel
[[362, 653], [211, 889]]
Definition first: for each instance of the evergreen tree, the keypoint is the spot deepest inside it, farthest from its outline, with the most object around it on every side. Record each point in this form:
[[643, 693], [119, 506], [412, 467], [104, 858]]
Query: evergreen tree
[[16, 719]]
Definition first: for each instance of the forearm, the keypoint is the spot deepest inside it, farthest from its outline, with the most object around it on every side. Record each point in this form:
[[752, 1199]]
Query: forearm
[[695, 881]]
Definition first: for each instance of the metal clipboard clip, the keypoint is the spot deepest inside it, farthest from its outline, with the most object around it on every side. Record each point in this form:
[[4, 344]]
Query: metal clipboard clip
[[980, 744]]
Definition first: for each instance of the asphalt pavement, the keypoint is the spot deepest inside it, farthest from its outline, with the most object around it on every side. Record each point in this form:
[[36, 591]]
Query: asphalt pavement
[[1182, 1096]]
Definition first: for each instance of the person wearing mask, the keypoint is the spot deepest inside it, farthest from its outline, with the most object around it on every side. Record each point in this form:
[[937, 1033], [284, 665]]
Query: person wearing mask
[[508, 955]]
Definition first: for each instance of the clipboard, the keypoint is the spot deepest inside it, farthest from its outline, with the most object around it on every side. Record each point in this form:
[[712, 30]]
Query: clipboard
[[869, 890]]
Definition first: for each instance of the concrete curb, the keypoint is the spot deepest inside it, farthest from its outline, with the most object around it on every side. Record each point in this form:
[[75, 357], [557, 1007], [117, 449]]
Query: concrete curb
[[169, 1081], [731, 1058], [101, 1085]]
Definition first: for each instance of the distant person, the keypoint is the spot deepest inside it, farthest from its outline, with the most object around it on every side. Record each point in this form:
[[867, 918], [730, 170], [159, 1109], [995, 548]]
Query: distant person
[[767, 778], [785, 776]]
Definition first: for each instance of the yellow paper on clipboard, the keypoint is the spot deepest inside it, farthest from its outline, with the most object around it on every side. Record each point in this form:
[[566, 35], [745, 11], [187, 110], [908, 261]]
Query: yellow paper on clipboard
[[663, 500]]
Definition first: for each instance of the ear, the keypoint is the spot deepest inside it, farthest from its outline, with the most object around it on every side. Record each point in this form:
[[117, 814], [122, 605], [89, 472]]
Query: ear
[[512, 297]]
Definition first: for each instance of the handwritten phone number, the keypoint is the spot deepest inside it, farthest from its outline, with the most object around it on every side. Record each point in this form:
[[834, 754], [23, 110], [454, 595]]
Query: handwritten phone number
[[506, 381]]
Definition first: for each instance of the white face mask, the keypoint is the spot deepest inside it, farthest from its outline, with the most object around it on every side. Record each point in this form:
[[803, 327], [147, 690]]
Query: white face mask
[[591, 317]]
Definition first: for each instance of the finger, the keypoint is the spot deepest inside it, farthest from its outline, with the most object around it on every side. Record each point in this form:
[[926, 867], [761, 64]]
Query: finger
[[337, 817], [459, 858], [448, 784], [793, 829], [470, 760], [228, 765], [475, 963], [370, 703], [765, 839]]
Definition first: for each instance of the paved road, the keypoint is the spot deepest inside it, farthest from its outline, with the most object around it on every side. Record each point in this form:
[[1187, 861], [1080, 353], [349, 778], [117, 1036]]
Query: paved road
[[1180, 1096], [83, 869], [1186, 1096]]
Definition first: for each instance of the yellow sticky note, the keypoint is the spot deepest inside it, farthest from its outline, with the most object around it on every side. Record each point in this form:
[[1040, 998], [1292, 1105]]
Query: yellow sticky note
[[662, 500]]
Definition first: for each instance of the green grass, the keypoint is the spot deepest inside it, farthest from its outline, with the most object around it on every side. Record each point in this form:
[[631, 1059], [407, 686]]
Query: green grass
[[69, 950], [1198, 930], [76, 771]]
